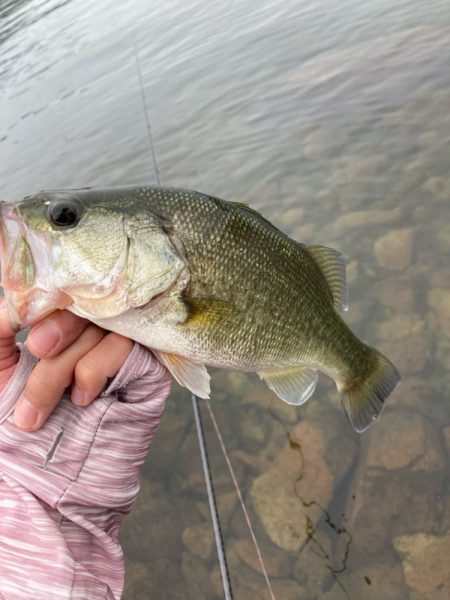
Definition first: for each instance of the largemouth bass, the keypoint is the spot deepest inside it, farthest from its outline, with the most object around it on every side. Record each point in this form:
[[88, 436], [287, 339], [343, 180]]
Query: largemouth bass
[[200, 281]]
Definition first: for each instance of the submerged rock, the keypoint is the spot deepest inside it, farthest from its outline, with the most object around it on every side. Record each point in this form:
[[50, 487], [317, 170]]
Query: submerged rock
[[197, 578], [199, 540], [395, 293], [375, 581], [158, 579], [314, 565], [399, 478], [291, 494], [439, 302], [406, 441], [153, 530], [262, 397], [426, 564], [400, 326], [366, 218], [409, 353], [276, 562], [393, 251], [438, 186]]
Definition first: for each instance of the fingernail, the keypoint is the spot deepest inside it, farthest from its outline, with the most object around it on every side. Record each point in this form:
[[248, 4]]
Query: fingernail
[[44, 337], [25, 415], [78, 396]]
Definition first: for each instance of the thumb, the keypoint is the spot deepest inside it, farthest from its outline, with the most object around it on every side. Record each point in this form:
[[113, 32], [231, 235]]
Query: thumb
[[9, 355]]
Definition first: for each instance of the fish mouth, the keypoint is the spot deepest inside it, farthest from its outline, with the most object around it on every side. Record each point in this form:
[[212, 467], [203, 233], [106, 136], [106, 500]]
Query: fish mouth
[[26, 302]]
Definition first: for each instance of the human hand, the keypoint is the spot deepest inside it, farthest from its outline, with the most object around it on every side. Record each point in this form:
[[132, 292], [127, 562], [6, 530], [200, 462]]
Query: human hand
[[71, 351], [9, 355]]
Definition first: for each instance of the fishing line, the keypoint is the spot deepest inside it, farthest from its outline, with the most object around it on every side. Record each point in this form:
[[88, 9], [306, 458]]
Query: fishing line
[[146, 115], [197, 416], [241, 500]]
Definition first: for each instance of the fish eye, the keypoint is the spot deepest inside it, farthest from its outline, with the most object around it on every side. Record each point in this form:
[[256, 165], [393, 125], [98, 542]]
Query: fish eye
[[64, 214]]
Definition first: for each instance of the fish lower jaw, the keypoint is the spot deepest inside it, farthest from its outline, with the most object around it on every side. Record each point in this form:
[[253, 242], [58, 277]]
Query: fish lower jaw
[[27, 308]]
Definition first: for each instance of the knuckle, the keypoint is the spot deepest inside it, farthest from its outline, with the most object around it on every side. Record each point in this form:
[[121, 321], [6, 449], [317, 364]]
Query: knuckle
[[88, 373], [41, 388]]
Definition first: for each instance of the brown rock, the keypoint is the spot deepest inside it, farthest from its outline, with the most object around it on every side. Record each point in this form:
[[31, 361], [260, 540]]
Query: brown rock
[[197, 578], [254, 427], [366, 218], [439, 278], [422, 395], [287, 589], [226, 505], [352, 271], [288, 496], [292, 215], [375, 581], [261, 396], [439, 302], [409, 353], [318, 144], [399, 477], [404, 441], [438, 186], [446, 434], [304, 233], [257, 463], [153, 529], [276, 562], [199, 540], [395, 293], [400, 326], [442, 352], [393, 251], [426, 564], [158, 579], [314, 564]]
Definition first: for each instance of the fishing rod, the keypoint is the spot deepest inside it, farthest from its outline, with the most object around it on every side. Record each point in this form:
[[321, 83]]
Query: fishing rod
[[195, 404]]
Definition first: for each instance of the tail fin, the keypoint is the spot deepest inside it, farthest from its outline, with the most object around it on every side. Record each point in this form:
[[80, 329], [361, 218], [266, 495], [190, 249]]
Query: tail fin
[[363, 398]]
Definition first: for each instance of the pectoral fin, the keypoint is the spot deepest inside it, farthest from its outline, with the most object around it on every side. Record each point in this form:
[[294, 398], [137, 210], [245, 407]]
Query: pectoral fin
[[207, 311], [294, 385], [189, 374]]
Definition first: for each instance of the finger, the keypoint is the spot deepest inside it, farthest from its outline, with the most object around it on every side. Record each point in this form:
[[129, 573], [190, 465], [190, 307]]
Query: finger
[[6, 329], [94, 369], [56, 333], [9, 355], [8, 348], [50, 378]]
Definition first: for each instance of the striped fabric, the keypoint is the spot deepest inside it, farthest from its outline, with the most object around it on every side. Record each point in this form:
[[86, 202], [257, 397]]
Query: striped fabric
[[65, 489]]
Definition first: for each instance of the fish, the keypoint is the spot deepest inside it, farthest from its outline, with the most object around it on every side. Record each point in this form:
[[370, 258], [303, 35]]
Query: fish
[[198, 280]]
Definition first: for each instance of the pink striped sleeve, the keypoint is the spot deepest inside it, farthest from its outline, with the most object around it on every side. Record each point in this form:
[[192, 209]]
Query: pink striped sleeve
[[65, 489]]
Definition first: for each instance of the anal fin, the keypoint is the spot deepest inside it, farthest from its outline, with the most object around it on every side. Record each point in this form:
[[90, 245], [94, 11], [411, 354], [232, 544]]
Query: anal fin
[[189, 374], [294, 385]]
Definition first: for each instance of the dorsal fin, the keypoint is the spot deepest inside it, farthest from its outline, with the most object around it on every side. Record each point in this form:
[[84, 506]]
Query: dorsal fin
[[332, 265], [254, 213]]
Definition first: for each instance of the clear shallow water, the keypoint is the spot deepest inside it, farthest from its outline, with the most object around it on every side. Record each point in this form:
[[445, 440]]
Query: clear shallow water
[[311, 112]]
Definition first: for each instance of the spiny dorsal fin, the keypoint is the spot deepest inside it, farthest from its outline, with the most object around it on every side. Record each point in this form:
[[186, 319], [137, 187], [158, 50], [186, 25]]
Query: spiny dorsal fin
[[254, 213], [332, 265], [293, 385]]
